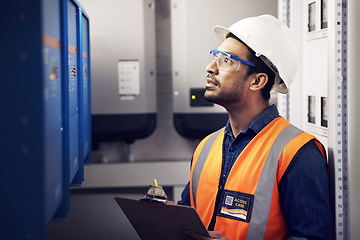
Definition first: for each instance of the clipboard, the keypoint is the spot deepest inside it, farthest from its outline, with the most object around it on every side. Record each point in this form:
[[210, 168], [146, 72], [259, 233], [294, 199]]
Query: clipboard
[[157, 220]]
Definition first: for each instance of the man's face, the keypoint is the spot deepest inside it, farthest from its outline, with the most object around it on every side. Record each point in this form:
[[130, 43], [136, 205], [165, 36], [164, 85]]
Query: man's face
[[228, 87]]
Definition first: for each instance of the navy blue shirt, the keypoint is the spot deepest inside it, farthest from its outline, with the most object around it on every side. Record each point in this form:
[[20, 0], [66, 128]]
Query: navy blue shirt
[[303, 189]]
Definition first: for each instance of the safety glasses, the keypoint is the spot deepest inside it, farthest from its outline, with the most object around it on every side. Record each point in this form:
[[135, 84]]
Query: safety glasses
[[226, 61]]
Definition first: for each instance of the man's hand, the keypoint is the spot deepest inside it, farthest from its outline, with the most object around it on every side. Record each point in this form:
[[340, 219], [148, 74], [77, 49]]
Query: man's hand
[[213, 235], [169, 202]]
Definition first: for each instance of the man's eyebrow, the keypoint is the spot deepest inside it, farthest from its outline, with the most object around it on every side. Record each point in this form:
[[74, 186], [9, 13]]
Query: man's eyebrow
[[231, 53], [228, 52]]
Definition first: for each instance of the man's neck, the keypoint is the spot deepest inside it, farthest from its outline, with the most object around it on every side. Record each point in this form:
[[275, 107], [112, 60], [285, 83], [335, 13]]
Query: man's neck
[[242, 118]]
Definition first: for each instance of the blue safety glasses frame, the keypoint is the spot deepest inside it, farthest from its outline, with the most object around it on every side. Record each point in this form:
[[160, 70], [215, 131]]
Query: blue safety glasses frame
[[224, 63]]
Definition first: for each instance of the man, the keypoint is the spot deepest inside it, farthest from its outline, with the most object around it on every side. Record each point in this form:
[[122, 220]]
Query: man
[[259, 177]]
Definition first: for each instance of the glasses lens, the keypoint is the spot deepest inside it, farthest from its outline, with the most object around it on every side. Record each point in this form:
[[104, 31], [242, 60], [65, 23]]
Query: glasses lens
[[224, 62]]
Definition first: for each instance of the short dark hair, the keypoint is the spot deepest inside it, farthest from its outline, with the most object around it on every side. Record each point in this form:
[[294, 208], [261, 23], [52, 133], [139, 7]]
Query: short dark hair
[[260, 66]]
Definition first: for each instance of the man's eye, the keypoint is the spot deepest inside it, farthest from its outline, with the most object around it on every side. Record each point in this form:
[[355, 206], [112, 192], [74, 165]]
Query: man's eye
[[227, 60]]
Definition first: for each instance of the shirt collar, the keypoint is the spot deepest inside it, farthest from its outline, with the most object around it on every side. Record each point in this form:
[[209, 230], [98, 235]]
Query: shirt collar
[[261, 121]]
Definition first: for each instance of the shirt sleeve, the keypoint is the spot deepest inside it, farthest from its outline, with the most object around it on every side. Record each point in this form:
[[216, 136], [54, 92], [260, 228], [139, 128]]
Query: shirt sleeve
[[304, 195], [185, 196]]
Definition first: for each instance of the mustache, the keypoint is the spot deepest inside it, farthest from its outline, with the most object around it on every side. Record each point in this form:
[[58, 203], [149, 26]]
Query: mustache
[[212, 77]]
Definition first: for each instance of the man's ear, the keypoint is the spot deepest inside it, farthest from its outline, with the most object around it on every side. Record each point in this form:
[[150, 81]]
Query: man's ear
[[259, 81]]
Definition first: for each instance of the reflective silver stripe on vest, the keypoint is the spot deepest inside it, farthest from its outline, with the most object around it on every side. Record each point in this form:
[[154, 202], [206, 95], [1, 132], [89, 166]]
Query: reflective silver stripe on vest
[[265, 186], [201, 161]]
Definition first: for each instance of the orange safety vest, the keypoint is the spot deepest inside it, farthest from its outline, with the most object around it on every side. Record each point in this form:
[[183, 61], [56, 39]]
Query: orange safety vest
[[249, 207]]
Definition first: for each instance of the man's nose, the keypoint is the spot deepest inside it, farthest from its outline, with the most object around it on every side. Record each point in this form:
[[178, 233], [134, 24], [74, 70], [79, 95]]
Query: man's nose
[[212, 67]]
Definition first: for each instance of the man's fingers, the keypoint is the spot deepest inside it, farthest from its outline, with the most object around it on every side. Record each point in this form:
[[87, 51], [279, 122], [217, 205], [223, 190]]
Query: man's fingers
[[216, 235]]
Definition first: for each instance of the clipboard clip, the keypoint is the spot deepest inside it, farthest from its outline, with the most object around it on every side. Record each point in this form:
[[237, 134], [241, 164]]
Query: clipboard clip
[[155, 193]]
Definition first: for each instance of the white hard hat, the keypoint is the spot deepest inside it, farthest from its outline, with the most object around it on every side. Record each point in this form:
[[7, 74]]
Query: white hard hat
[[268, 37]]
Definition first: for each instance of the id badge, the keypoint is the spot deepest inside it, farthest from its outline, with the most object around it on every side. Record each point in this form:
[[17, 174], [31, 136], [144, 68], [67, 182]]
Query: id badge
[[236, 205]]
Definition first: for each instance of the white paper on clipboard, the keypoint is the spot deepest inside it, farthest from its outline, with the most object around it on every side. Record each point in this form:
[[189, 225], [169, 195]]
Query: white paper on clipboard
[[129, 77]]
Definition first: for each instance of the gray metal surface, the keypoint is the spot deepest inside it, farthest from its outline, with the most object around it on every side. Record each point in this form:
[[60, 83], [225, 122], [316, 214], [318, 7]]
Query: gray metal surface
[[121, 30], [353, 7]]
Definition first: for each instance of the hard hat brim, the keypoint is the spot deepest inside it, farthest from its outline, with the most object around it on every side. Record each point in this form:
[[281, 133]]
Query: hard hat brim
[[221, 32]]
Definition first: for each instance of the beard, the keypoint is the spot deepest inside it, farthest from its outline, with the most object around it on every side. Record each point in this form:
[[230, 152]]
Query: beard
[[222, 98]]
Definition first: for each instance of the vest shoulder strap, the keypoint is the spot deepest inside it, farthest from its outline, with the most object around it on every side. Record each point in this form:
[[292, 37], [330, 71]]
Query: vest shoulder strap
[[265, 186], [201, 161]]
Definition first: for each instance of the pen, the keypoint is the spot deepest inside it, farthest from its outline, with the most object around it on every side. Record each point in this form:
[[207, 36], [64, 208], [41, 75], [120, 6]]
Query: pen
[[155, 182]]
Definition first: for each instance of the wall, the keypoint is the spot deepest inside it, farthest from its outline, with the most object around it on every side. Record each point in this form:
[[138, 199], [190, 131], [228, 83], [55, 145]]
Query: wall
[[165, 143]]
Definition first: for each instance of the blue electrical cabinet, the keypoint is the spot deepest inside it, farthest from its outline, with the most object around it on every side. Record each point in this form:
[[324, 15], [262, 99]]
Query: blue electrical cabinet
[[31, 156], [71, 71], [45, 119], [86, 143], [83, 93], [71, 101]]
